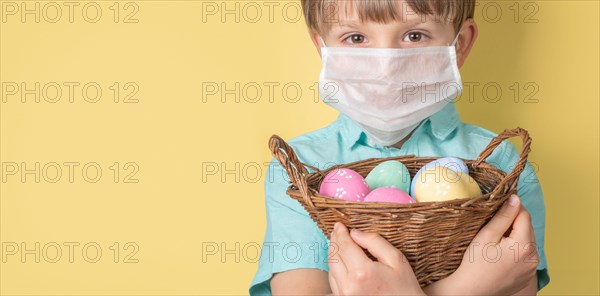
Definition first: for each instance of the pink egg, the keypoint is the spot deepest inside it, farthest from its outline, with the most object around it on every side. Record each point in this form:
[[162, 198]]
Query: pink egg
[[389, 194], [344, 184]]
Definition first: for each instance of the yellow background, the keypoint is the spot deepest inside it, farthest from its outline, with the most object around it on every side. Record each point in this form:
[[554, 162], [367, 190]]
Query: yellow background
[[172, 136]]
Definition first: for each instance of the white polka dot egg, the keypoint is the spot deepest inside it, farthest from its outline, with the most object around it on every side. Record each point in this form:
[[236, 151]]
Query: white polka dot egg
[[345, 184]]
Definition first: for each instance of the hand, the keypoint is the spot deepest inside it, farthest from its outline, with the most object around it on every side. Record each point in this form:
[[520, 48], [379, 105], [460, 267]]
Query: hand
[[495, 264], [351, 272]]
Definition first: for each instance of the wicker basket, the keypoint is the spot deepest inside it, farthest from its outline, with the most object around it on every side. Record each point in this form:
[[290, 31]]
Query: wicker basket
[[432, 235]]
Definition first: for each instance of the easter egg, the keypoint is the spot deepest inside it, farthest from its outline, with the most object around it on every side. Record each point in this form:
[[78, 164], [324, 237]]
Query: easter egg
[[345, 184], [391, 173], [440, 183], [389, 194], [472, 186], [453, 163]]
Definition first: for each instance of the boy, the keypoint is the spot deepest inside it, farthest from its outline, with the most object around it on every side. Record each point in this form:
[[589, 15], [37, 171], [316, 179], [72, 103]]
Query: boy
[[374, 123]]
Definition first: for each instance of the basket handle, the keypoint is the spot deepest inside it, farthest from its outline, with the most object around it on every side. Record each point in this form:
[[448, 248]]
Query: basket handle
[[296, 170], [513, 176]]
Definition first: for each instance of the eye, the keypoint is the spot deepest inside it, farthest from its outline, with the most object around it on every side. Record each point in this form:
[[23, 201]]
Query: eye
[[355, 39], [414, 37]]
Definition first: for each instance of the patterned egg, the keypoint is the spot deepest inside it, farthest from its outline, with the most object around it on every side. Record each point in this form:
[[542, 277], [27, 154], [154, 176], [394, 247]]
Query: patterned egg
[[441, 184], [472, 186], [453, 163], [389, 194], [391, 173], [346, 184]]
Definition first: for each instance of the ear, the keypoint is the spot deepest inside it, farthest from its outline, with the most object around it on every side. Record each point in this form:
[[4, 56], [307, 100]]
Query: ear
[[314, 36], [466, 39]]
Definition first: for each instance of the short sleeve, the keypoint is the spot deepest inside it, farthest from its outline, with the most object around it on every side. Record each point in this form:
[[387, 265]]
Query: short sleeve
[[532, 198], [292, 239]]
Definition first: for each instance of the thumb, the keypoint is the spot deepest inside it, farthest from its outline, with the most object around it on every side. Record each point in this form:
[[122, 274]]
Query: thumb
[[379, 247], [501, 222]]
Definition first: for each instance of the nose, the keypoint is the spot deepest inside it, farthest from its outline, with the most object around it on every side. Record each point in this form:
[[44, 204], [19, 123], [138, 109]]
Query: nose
[[387, 42]]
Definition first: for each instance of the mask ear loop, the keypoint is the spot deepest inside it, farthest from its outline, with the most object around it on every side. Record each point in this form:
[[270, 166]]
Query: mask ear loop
[[322, 42], [455, 39]]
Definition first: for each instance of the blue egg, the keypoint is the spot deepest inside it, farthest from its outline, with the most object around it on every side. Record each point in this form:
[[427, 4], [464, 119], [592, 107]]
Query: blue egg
[[453, 163]]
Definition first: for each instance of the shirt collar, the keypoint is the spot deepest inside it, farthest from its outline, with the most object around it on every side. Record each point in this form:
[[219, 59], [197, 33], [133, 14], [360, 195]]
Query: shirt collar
[[442, 123]]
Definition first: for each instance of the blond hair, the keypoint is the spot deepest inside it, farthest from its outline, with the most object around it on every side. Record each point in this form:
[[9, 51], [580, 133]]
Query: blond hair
[[321, 14]]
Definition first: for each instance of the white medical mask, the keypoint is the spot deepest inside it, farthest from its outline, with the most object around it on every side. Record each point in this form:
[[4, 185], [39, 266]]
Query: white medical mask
[[388, 92]]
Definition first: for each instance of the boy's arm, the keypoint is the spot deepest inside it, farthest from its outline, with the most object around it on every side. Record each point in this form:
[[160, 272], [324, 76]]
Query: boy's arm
[[449, 287], [292, 242], [312, 281], [302, 281]]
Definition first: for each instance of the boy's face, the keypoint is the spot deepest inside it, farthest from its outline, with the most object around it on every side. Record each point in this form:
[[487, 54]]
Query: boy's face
[[411, 30]]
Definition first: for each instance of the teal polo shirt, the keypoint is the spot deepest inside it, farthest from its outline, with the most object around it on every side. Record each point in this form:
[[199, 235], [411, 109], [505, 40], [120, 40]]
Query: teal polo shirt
[[292, 239]]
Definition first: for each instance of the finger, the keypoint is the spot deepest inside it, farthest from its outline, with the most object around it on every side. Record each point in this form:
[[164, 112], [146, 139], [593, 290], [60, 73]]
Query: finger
[[499, 224], [524, 236], [522, 229], [379, 247], [337, 268], [351, 253]]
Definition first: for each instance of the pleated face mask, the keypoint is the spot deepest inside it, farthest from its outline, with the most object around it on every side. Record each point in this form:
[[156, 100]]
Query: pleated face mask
[[389, 91]]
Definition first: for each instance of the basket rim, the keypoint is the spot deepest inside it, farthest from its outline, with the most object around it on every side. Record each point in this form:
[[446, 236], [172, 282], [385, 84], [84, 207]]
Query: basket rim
[[298, 173]]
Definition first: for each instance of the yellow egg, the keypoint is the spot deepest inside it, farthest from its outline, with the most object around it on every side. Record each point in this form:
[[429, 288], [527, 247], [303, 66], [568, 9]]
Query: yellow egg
[[440, 183], [472, 186]]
